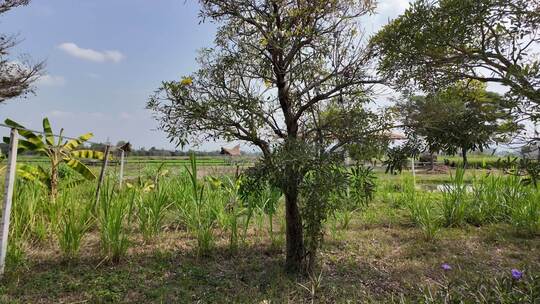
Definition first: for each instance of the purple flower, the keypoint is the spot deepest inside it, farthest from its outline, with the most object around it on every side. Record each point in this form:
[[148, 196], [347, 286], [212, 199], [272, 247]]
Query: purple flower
[[516, 274], [446, 267]]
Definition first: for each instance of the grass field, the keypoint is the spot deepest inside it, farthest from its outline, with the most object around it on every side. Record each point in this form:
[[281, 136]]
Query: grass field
[[380, 254]]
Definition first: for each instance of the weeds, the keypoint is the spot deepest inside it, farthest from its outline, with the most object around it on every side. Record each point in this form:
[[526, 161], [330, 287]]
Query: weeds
[[151, 211], [344, 217], [425, 216], [114, 213], [525, 214], [76, 220], [455, 200], [501, 289], [488, 204], [199, 214], [233, 209]]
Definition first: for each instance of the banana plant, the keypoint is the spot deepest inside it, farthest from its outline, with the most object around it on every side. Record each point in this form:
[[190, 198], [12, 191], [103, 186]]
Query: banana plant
[[58, 151]]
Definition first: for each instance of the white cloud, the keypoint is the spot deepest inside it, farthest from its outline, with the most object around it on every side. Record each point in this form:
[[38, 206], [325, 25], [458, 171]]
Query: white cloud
[[91, 55], [51, 81], [392, 7]]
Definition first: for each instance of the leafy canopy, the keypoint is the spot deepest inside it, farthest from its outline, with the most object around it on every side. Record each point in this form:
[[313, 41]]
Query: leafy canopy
[[289, 77], [436, 43], [275, 66], [17, 75], [461, 117]]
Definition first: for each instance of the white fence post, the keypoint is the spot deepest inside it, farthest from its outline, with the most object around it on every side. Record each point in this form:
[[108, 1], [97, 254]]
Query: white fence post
[[121, 177], [347, 159], [8, 197]]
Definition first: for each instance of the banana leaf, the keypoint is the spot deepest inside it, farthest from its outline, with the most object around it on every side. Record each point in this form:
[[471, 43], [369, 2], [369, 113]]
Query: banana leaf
[[80, 168], [88, 154], [74, 143], [34, 174], [29, 135], [49, 137]]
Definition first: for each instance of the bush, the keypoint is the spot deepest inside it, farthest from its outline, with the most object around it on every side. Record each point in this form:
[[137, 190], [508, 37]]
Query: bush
[[114, 214], [424, 214], [525, 214], [361, 185], [422, 210], [76, 220], [151, 211], [455, 201], [200, 210]]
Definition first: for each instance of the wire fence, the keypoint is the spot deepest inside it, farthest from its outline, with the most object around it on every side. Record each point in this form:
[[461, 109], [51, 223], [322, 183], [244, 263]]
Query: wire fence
[[118, 161]]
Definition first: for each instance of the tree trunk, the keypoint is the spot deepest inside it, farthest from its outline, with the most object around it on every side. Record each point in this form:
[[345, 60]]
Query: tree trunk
[[432, 161], [464, 155], [54, 180], [538, 147], [295, 239]]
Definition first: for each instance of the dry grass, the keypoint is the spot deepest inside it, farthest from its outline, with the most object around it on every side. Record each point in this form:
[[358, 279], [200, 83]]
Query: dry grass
[[377, 259]]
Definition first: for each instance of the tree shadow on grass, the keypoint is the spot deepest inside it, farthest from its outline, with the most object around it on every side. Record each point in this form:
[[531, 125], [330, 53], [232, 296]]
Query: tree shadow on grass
[[253, 275], [367, 266]]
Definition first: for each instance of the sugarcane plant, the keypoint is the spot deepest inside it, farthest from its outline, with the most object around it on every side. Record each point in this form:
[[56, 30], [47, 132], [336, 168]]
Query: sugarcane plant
[[58, 150], [2, 157]]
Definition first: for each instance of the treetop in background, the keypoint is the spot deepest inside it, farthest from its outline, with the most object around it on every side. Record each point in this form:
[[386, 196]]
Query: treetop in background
[[462, 117], [16, 76], [435, 43]]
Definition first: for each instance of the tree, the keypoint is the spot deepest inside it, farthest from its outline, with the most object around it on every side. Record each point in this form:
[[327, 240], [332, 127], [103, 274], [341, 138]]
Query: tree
[[461, 117], [58, 151], [436, 43], [276, 70], [16, 76], [371, 150]]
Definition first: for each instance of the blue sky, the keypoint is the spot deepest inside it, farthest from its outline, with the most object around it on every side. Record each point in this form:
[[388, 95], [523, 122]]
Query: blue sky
[[104, 58]]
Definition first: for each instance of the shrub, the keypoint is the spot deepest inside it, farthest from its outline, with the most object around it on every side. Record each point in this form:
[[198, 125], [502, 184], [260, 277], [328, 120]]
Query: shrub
[[525, 213], [487, 202], [200, 211], [455, 201], [151, 211], [424, 214], [361, 185], [232, 208], [74, 223], [114, 213]]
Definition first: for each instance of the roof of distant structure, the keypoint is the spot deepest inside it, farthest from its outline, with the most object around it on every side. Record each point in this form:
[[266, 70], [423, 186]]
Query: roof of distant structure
[[125, 147], [395, 136], [235, 151]]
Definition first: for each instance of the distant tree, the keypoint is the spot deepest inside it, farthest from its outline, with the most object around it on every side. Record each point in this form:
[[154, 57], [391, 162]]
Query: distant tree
[[279, 70], [437, 42], [16, 76], [372, 148], [98, 146], [463, 117], [397, 157]]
